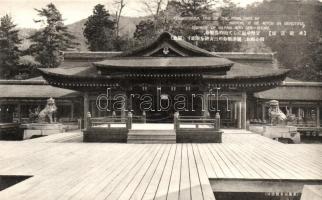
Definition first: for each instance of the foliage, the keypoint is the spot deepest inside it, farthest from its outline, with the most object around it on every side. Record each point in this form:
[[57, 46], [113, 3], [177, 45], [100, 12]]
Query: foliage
[[9, 52], [300, 54], [99, 30], [28, 66], [187, 9], [49, 42], [145, 31]]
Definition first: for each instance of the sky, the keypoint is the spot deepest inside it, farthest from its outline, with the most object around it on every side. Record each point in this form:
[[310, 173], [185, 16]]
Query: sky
[[23, 13]]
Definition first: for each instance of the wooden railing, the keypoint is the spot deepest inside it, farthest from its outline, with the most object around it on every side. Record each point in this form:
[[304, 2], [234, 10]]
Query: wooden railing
[[196, 122], [111, 122], [139, 118], [116, 121]]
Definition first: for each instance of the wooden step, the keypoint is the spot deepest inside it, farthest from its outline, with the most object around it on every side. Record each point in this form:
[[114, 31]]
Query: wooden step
[[151, 141], [151, 136]]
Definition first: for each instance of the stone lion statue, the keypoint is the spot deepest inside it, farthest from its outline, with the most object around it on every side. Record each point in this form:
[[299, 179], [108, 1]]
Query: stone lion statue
[[46, 115], [275, 114]]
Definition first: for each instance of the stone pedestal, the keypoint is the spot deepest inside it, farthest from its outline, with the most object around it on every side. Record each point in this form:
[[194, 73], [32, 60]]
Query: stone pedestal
[[41, 129], [278, 132], [312, 192]]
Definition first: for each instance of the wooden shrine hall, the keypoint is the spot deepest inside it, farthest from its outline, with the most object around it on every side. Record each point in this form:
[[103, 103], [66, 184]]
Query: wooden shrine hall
[[171, 74]]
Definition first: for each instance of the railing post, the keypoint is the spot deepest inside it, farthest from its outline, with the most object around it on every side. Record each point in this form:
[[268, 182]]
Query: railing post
[[113, 116], [89, 120], [144, 116], [217, 121], [176, 120], [129, 120]]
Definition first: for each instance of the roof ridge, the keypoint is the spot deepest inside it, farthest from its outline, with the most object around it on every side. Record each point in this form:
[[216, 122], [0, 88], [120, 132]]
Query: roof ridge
[[166, 36], [23, 82]]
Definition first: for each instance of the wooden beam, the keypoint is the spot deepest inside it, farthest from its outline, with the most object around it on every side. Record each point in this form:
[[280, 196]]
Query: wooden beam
[[260, 185]]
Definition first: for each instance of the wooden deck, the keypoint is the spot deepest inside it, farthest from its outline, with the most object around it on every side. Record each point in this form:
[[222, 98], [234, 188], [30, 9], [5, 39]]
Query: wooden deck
[[150, 171]]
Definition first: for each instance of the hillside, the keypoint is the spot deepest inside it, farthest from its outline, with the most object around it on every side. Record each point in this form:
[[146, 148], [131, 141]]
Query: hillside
[[127, 24]]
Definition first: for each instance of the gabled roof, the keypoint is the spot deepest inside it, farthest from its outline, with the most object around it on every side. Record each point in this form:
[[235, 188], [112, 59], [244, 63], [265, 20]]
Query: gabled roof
[[180, 45], [167, 53], [292, 89]]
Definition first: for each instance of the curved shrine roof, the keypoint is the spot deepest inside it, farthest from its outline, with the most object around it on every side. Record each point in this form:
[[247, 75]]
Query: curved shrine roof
[[237, 71], [165, 62], [164, 58]]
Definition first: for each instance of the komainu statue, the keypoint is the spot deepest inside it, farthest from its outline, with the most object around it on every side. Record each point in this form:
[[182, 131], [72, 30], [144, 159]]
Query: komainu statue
[[275, 114], [46, 115]]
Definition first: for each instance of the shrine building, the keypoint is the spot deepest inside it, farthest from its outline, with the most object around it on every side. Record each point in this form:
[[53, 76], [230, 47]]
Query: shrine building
[[171, 74]]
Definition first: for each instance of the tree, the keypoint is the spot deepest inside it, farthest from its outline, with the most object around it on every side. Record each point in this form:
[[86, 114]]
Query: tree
[[99, 30], [120, 5], [9, 42], [145, 32], [28, 66], [162, 20], [49, 42], [301, 54], [227, 10], [193, 13]]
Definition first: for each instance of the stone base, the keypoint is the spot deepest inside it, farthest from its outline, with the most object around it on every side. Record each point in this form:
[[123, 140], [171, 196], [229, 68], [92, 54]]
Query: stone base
[[41, 129], [312, 192], [98, 134], [278, 132], [198, 136]]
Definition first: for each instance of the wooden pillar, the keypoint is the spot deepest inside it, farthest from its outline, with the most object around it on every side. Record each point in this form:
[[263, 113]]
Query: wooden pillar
[[318, 116], [239, 115], [92, 109], [123, 114], [86, 108], [299, 114], [263, 112], [243, 110], [72, 110], [19, 112], [235, 110], [206, 102]]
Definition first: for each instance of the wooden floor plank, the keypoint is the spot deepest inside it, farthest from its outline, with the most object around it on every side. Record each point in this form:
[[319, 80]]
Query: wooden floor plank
[[152, 188], [219, 161], [174, 185], [207, 164], [195, 185], [150, 171], [215, 165], [133, 176], [136, 189], [164, 184], [90, 179], [206, 189], [258, 163], [92, 189], [118, 183], [228, 160], [185, 189], [243, 166]]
